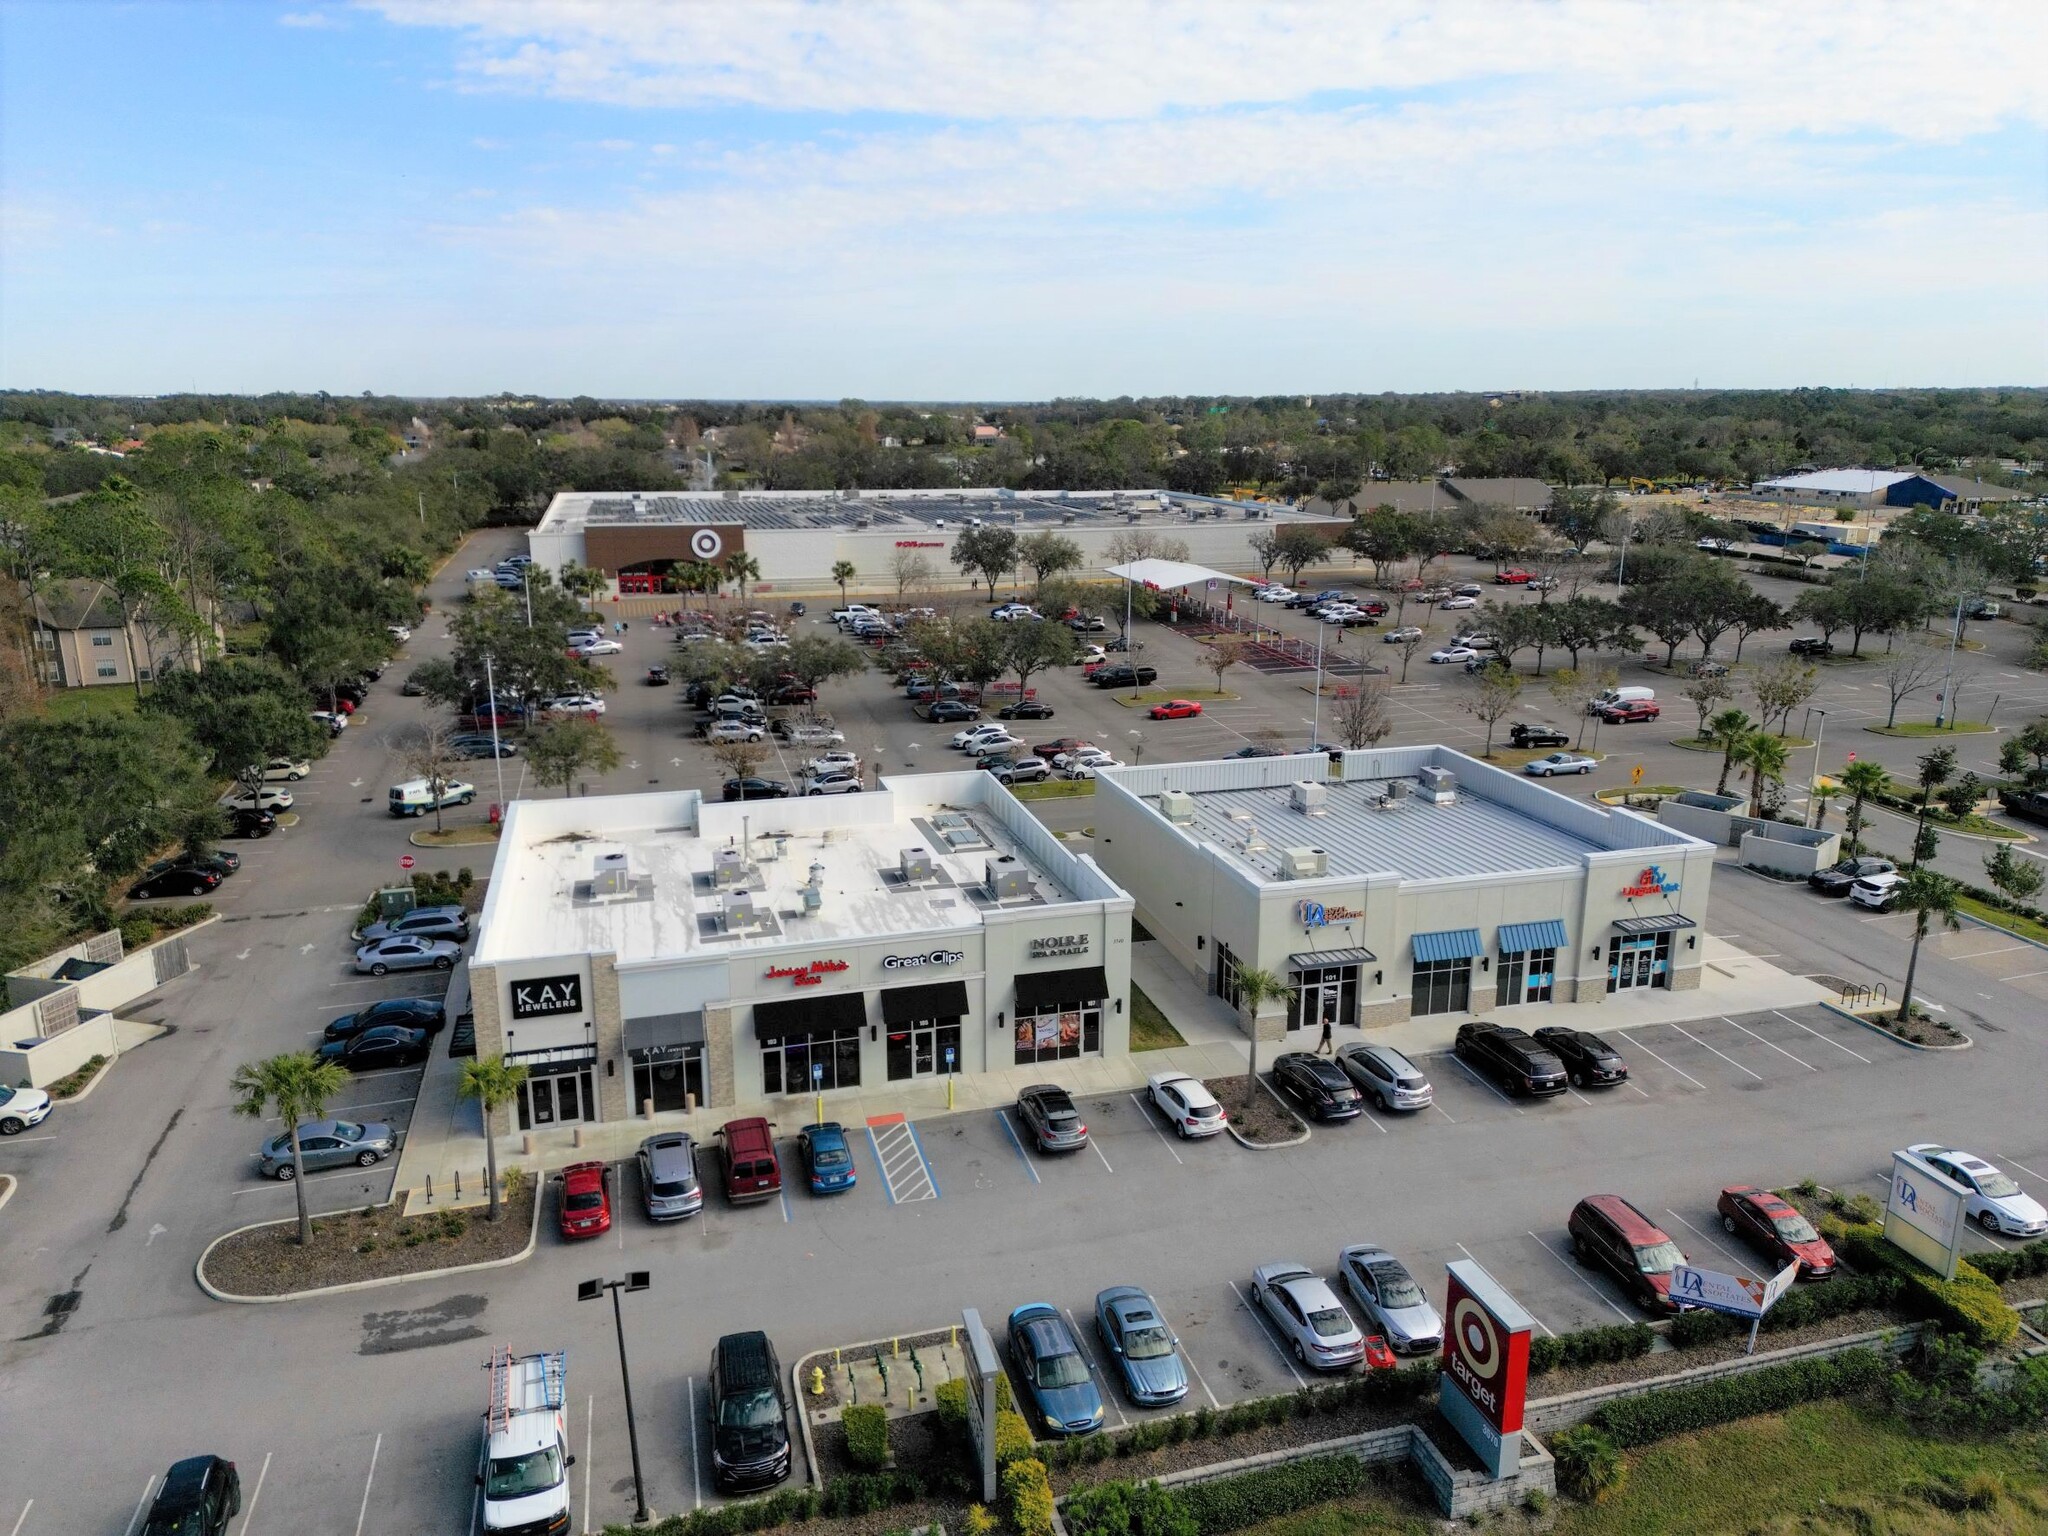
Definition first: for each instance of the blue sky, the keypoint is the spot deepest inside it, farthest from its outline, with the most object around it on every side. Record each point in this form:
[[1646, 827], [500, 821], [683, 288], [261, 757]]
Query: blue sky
[[944, 199]]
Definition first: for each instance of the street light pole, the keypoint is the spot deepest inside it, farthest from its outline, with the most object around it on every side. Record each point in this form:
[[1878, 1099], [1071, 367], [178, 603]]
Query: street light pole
[[590, 1290], [1948, 681], [497, 762], [1315, 734], [1813, 800]]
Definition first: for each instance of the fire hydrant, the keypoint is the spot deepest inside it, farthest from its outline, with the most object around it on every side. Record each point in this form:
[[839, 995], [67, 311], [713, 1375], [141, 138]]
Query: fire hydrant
[[817, 1381]]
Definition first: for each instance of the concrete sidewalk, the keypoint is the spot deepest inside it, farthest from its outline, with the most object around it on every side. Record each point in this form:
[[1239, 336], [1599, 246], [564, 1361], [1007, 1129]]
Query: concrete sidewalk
[[446, 1138]]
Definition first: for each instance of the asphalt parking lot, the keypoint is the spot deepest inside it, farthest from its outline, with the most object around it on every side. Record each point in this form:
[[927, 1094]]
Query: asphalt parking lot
[[360, 1413]]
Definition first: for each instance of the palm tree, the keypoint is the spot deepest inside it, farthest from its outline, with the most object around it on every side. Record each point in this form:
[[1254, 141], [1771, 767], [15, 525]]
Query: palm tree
[[1728, 730], [1255, 989], [299, 1084], [1927, 896], [1763, 757], [492, 1083], [1936, 769], [1822, 794], [698, 576], [742, 567], [843, 572], [1862, 780]]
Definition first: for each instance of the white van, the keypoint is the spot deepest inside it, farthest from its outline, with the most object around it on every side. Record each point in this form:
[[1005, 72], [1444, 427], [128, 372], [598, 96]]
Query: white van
[[1613, 696], [415, 797]]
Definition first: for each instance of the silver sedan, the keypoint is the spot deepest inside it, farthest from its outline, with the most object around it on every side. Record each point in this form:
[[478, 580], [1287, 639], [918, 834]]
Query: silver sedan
[[1309, 1317], [1390, 1299], [327, 1144], [403, 953]]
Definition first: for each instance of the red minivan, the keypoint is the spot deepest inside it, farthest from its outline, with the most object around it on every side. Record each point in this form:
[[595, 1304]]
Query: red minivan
[[751, 1169], [1613, 1235]]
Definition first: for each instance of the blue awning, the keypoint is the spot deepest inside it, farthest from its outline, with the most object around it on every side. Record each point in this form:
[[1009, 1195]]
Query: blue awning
[[1452, 944], [1548, 934]]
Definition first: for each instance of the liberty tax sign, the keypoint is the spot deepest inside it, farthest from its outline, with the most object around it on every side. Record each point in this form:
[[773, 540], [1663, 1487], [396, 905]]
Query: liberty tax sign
[[1486, 1366]]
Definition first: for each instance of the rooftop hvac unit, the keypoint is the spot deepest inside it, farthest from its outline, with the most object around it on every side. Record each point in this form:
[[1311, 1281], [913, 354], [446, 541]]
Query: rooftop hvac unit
[[915, 866], [1309, 797], [862, 520], [609, 876], [1067, 517], [1132, 517], [1177, 806], [736, 911], [1008, 878], [1247, 832], [1439, 785], [728, 866], [1396, 793], [1304, 863], [813, 892]]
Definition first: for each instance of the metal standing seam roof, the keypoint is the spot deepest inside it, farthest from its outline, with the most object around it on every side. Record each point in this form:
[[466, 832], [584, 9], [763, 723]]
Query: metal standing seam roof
[[1451, 944], [1548, 934]]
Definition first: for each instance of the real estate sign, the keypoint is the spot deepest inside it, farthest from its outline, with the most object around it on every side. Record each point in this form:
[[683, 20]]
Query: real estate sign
[[1485, 1377]]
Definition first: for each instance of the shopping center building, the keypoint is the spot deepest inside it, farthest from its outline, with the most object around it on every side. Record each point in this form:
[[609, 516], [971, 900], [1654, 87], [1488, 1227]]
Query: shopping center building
[[644, 954], [1388, 884]]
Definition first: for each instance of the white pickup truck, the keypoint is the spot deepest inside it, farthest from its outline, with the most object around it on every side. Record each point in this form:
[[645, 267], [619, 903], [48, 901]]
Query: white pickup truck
[[524, 1471]]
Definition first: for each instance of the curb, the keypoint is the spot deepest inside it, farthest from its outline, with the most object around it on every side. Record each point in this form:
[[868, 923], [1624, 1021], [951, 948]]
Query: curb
[[1878, 1029], [91, 1082], [414, 839], [1985, 922], [1271, 1146], [796, 1383], [199, 1269]]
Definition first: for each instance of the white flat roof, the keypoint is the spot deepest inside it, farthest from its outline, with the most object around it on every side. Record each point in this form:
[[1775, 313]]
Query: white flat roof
[[1841, 482], [542, 901]]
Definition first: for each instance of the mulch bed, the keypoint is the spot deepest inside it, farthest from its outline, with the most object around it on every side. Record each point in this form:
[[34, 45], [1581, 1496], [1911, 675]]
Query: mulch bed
[[1666, 1362], [916, 1445], [835, 1381], [370, 1244], [1348, 1419], [1267, 1120]]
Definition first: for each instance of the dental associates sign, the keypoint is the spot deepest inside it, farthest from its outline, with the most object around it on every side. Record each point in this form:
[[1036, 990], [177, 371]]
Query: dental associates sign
[[1923, 1213], [1485, 1380]]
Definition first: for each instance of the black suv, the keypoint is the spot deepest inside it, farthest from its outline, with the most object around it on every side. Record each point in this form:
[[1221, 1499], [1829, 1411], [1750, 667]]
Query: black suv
[[2028, 804], [1538, 736], [409, 1012], [1591, 1061], [749, 1419], [200, 1495], [1318, 1085], [1811, 645], [1511, 1058], [1123, 677], [1836, 879]]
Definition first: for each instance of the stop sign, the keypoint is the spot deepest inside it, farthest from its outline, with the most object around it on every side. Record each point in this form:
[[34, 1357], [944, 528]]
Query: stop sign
[[405, 861]]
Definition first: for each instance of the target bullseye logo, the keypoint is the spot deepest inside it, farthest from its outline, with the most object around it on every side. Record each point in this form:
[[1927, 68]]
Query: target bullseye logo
[[1478, 1344], [705, 544]]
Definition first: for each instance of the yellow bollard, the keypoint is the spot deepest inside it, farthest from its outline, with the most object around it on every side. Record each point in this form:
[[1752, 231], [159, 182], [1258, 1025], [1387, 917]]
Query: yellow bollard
[[817, 1381], [895, 1349], [835, 1359], [819, 1119], [953, 1337], [949, 1092]]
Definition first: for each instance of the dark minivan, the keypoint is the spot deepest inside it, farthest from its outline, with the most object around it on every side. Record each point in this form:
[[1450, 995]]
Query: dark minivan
[[749, 1420], [200, 1495], [1608, 1233], [751, 1169], [1510, 1058]]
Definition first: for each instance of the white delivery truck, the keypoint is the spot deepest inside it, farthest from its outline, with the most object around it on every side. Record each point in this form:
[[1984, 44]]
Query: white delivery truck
[[524, 1474]]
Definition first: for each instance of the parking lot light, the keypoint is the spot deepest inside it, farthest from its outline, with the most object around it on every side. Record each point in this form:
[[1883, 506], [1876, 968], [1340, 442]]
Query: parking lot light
[[590, 1290]]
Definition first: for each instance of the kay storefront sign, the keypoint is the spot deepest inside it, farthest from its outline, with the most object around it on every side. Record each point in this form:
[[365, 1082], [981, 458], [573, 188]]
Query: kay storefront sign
[[545, 997]]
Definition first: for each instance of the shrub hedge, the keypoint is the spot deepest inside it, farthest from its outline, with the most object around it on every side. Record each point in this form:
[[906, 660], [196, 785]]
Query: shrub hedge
[[1013, 1438], [1027, 1497], [2000, 1266], [1231, 1503], [867, 1434], [1633, 1421], [1125, 1509], [1590, 1346], [1968, 1306]]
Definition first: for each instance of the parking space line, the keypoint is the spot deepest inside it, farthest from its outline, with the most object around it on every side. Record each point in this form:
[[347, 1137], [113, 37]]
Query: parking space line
[[1696, 1040], [1532, 1316], [1088, 1354], [363, 1513], [1469, 1072], [1632, 1040], [1152, 1119], [1003, 1115], [1375, 1119], [269, 1185], [1819, 1036], [1574, 1269], [1266, 1328], [782, 1193], [1979, 954], [1186, 1355], [696, 1483], [1740, 1258], [1771, 1043], [2023, 975], [589, 1434], [2023, 1168], [931, 1174], [31, 1504], [136, 1519], [1097, 1146], [249, 1512]]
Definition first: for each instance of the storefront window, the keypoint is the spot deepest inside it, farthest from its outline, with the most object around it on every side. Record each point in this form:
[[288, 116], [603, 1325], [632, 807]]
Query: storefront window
[[1227, 967], [1442, 986], [1638, 960], [561, 1098], [667, 1078], [1525, 976], [1323, 992], [830, 1059], [924, 1048], [1058, 1034]]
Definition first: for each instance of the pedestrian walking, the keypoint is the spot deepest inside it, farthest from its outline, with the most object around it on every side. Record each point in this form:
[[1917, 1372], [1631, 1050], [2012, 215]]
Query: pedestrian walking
[[1324, 1046]]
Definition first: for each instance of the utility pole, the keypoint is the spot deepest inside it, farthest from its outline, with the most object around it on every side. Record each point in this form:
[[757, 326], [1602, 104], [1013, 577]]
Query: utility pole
[[1315, 736], [1948, 681], [590, 1290], [497, 762]]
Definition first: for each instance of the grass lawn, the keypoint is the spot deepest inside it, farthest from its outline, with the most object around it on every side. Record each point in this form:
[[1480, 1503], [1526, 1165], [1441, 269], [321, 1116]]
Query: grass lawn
[[1695, 744], [1146, 697], [1919, 728], [1617, 796], [91, 703], [1151, 1030], [1824, 1469], [1515, 757], [1054, 789], [2011, 922], [454, 837]]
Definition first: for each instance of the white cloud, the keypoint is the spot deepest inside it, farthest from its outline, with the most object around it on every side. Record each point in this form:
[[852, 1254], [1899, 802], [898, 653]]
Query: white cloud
[[487, 144], [311, 19]]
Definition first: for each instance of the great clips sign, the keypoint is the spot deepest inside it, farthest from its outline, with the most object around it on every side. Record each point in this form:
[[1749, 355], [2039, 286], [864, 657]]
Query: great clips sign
[[1486, 1366], [541, 997]]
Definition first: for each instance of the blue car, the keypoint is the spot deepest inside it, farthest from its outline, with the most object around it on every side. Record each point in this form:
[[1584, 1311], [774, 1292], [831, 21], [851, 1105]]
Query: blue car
[[1054, 1373], [1141, 1346], [827, 1158]]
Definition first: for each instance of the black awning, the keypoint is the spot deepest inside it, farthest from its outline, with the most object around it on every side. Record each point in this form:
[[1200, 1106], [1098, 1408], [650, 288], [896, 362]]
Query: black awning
[[665, 1031], [802, 1016], [936, 1000], [1316, 959], [1038, 991], [554, 1058], [1670, 922]]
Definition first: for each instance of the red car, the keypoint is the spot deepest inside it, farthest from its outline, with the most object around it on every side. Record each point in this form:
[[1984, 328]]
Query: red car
[[1053, 749], [1514, 578], [1773, 1227], [1175, 709], [1621, 714], [586, 1201], [1377, 1356]]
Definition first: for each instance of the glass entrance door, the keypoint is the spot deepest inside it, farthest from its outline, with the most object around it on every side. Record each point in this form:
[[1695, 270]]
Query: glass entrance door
[[1638, 960], [563, 1098], [924, 1048]]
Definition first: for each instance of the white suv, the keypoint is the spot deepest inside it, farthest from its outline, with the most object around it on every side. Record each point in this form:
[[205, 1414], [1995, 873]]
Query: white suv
[[1877, 892]]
